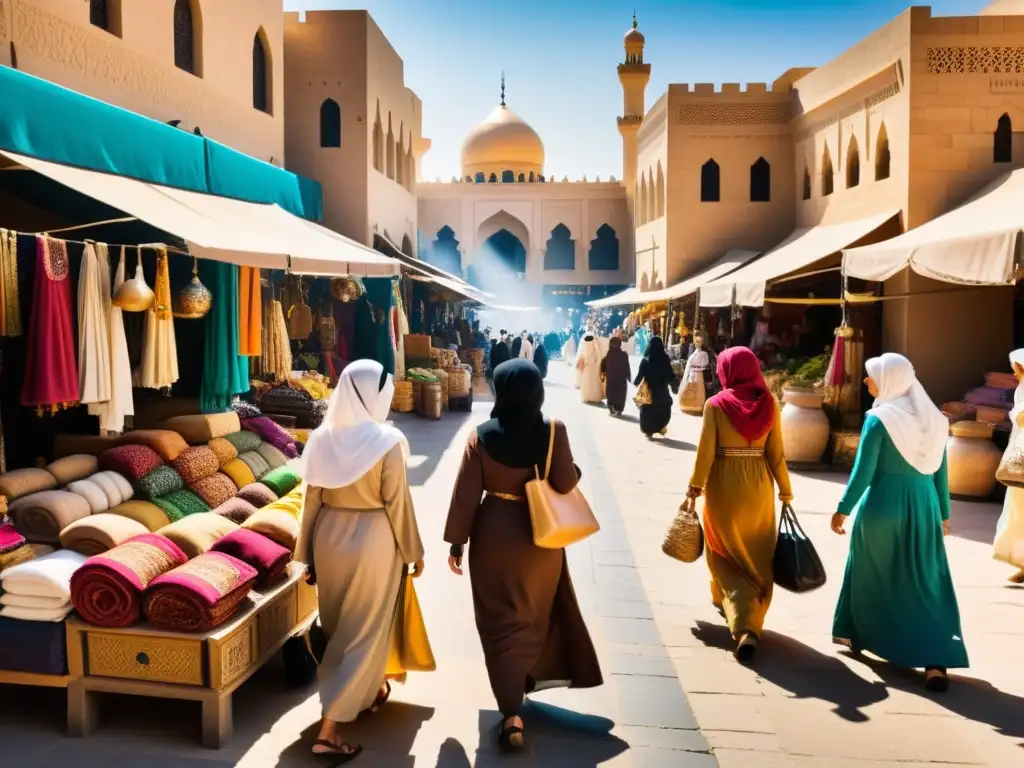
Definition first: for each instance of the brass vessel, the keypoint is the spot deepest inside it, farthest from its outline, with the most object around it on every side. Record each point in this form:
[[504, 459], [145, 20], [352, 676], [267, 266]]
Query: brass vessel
[[195, 299], [135, 295]]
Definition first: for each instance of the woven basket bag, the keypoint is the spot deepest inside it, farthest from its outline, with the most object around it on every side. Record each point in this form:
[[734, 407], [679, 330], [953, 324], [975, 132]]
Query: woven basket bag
[[684, 540]]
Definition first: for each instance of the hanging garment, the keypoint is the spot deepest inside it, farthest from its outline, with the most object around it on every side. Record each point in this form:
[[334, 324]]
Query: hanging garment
[[160, 356], [225, 371], [120, 404], [250, 312], [93, 327], [51, 374], [279, 351], [10, 302]]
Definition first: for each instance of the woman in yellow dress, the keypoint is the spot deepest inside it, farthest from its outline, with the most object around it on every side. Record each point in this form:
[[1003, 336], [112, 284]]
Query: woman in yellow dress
[[739, 456]]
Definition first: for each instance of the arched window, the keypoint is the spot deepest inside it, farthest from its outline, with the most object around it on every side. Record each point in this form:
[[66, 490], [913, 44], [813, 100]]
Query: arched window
[[187, 37], [389, 150], [852, 164], [561, 249], [480, 177], [400, 156], [1002, 144], [827, 176], [659, 194], [533, 178], [882, 154], [760, 181], [604, 250], [262, 74], [522, 178], [493, 178], [710, 182], [508, 177], [444, 251], [652, 197], [410, 166], [642, 201], [378, 143], [807, 183], [330, 125]]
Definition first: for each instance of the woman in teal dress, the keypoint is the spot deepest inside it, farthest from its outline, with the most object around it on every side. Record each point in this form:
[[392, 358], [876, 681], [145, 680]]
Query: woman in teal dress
[[897, 599]]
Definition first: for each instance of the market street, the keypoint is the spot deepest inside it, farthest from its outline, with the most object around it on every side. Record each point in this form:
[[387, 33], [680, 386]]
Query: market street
[[673, 693]]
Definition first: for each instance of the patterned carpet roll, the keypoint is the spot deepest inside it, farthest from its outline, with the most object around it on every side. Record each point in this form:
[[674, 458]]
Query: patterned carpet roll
[[131, 461], [215, 489], [257, 494], [195, 464], [244, 441], [95, 534], [107, 590], [239, 473], [160, 482], [236, 510], [200, 595], [40, 517], [223, 449], [256, 463], [281, 480], [266, 556], [181, 504]]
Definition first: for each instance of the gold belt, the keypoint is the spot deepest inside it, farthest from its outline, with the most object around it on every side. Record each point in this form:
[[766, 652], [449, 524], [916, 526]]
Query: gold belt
[[506, 496], [741, 452]]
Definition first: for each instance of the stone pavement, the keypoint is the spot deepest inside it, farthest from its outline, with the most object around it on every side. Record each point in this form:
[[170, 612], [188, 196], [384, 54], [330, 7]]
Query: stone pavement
[[673, 694]]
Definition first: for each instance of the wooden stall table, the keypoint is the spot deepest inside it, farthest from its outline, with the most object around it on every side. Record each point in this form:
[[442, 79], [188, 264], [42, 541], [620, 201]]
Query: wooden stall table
[[207, 667]]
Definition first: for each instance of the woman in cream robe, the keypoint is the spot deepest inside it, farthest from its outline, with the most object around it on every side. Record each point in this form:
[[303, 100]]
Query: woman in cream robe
[[1009, 542], [588, 367], [358, 531]]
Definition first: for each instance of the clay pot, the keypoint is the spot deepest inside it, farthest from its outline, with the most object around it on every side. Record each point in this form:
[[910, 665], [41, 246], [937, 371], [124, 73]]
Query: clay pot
[[972, 459], [805, 427]]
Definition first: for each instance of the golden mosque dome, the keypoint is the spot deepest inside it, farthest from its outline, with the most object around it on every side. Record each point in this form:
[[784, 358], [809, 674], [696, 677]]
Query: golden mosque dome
[[633, 36], [502, 142]]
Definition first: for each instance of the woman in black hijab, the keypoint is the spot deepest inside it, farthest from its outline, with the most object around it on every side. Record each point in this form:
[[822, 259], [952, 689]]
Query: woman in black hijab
[[656, 371], [517, 346], [540, 357], [530, 625]]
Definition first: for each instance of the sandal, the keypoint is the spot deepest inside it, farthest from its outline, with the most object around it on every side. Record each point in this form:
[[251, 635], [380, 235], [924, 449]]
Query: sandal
[[510, 737], [746, 648], [341, 754], [936, 680], [382, 697]]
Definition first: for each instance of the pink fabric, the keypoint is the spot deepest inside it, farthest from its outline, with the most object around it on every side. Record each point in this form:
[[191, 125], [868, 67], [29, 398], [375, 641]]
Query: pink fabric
[[10, 539], [268, 557], [744, 399], [835, 376], [205, 590]]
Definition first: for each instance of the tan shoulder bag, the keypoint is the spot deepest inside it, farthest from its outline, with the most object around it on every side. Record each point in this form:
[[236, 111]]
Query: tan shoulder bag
[[558, 519]]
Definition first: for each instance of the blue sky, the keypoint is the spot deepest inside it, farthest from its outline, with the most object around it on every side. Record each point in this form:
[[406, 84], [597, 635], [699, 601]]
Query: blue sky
[[559, 58]]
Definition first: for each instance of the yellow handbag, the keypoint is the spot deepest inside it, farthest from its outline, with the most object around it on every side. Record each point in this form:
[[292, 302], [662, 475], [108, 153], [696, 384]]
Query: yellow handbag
[[643, 394], [410, 646], [558, 519]]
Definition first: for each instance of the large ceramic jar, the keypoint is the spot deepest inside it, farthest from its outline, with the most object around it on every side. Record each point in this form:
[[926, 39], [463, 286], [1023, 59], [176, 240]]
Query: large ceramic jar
[[972, 459], [805, 427]]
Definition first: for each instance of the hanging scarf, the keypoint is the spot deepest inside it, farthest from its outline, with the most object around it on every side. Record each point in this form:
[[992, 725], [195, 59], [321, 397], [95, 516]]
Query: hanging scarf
[[10, 302], [51, 374], [744, 399], [94, 326], [279, 350], [250, 312], [112, 413], [353, 436], [225, 371], [160, 356], [916, 427]]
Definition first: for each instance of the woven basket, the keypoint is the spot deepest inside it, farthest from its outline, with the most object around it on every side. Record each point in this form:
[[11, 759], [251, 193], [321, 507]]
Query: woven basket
[[458, 381], [684, 540], [417, 395], [402, 400]]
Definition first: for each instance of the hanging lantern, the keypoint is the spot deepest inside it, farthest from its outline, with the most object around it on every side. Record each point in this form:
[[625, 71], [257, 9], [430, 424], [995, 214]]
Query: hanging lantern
[[195, 299], [135, 295]]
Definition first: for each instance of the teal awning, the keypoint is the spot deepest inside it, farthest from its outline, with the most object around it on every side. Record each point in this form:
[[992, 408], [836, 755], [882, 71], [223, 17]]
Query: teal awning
[[45, 120]]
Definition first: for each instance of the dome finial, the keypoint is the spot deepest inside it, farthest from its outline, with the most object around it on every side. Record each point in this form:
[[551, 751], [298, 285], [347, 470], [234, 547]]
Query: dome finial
[[634, 19], [503, 88]]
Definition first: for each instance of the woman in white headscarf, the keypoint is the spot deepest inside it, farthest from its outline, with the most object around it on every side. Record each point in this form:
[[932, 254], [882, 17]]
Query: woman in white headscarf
[[1009, 542], [897, 599], [358, 531]]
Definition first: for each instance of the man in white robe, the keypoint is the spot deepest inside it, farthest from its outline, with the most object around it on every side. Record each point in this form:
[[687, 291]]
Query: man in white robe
[[527, 349], [588, 370]]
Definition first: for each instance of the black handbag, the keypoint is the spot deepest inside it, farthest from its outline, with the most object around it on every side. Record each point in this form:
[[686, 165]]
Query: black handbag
[[795, 565], [303, 654]]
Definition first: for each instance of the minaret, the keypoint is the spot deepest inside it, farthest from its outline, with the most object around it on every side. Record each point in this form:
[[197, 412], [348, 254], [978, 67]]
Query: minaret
[[634, 75]]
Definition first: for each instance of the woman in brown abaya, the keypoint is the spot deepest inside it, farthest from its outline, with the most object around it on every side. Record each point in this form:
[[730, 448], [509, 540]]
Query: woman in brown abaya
[[530, 625], [615, 369]]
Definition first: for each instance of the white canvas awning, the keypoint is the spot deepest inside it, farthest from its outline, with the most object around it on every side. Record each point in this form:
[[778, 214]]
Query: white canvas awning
[[746, 286], [731, 261], [975, 244], [224, 229], [629, 296], [457, 287]]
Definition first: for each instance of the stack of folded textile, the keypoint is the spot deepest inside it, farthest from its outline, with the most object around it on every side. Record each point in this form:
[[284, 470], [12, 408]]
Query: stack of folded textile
[[107, 590], [23, 554], [40, 590], [102, 490], [267, 557], [200, 595], [97, 533], [279, 521]]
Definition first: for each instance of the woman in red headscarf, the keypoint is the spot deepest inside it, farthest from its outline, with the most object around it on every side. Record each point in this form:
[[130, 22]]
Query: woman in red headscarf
[[739, 456]]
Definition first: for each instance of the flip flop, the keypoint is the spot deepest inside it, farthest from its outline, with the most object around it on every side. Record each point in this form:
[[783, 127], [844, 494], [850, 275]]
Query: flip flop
[[382, 697], [510, 738], [340, 756]]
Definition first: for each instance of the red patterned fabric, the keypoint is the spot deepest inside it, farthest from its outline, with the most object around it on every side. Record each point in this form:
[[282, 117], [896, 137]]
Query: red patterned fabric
[[131, 461], [197, 462], [215, 489]]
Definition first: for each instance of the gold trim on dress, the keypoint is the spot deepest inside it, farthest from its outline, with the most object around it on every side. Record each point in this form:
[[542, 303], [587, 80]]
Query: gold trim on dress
[[506, 496], [741, 452]]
